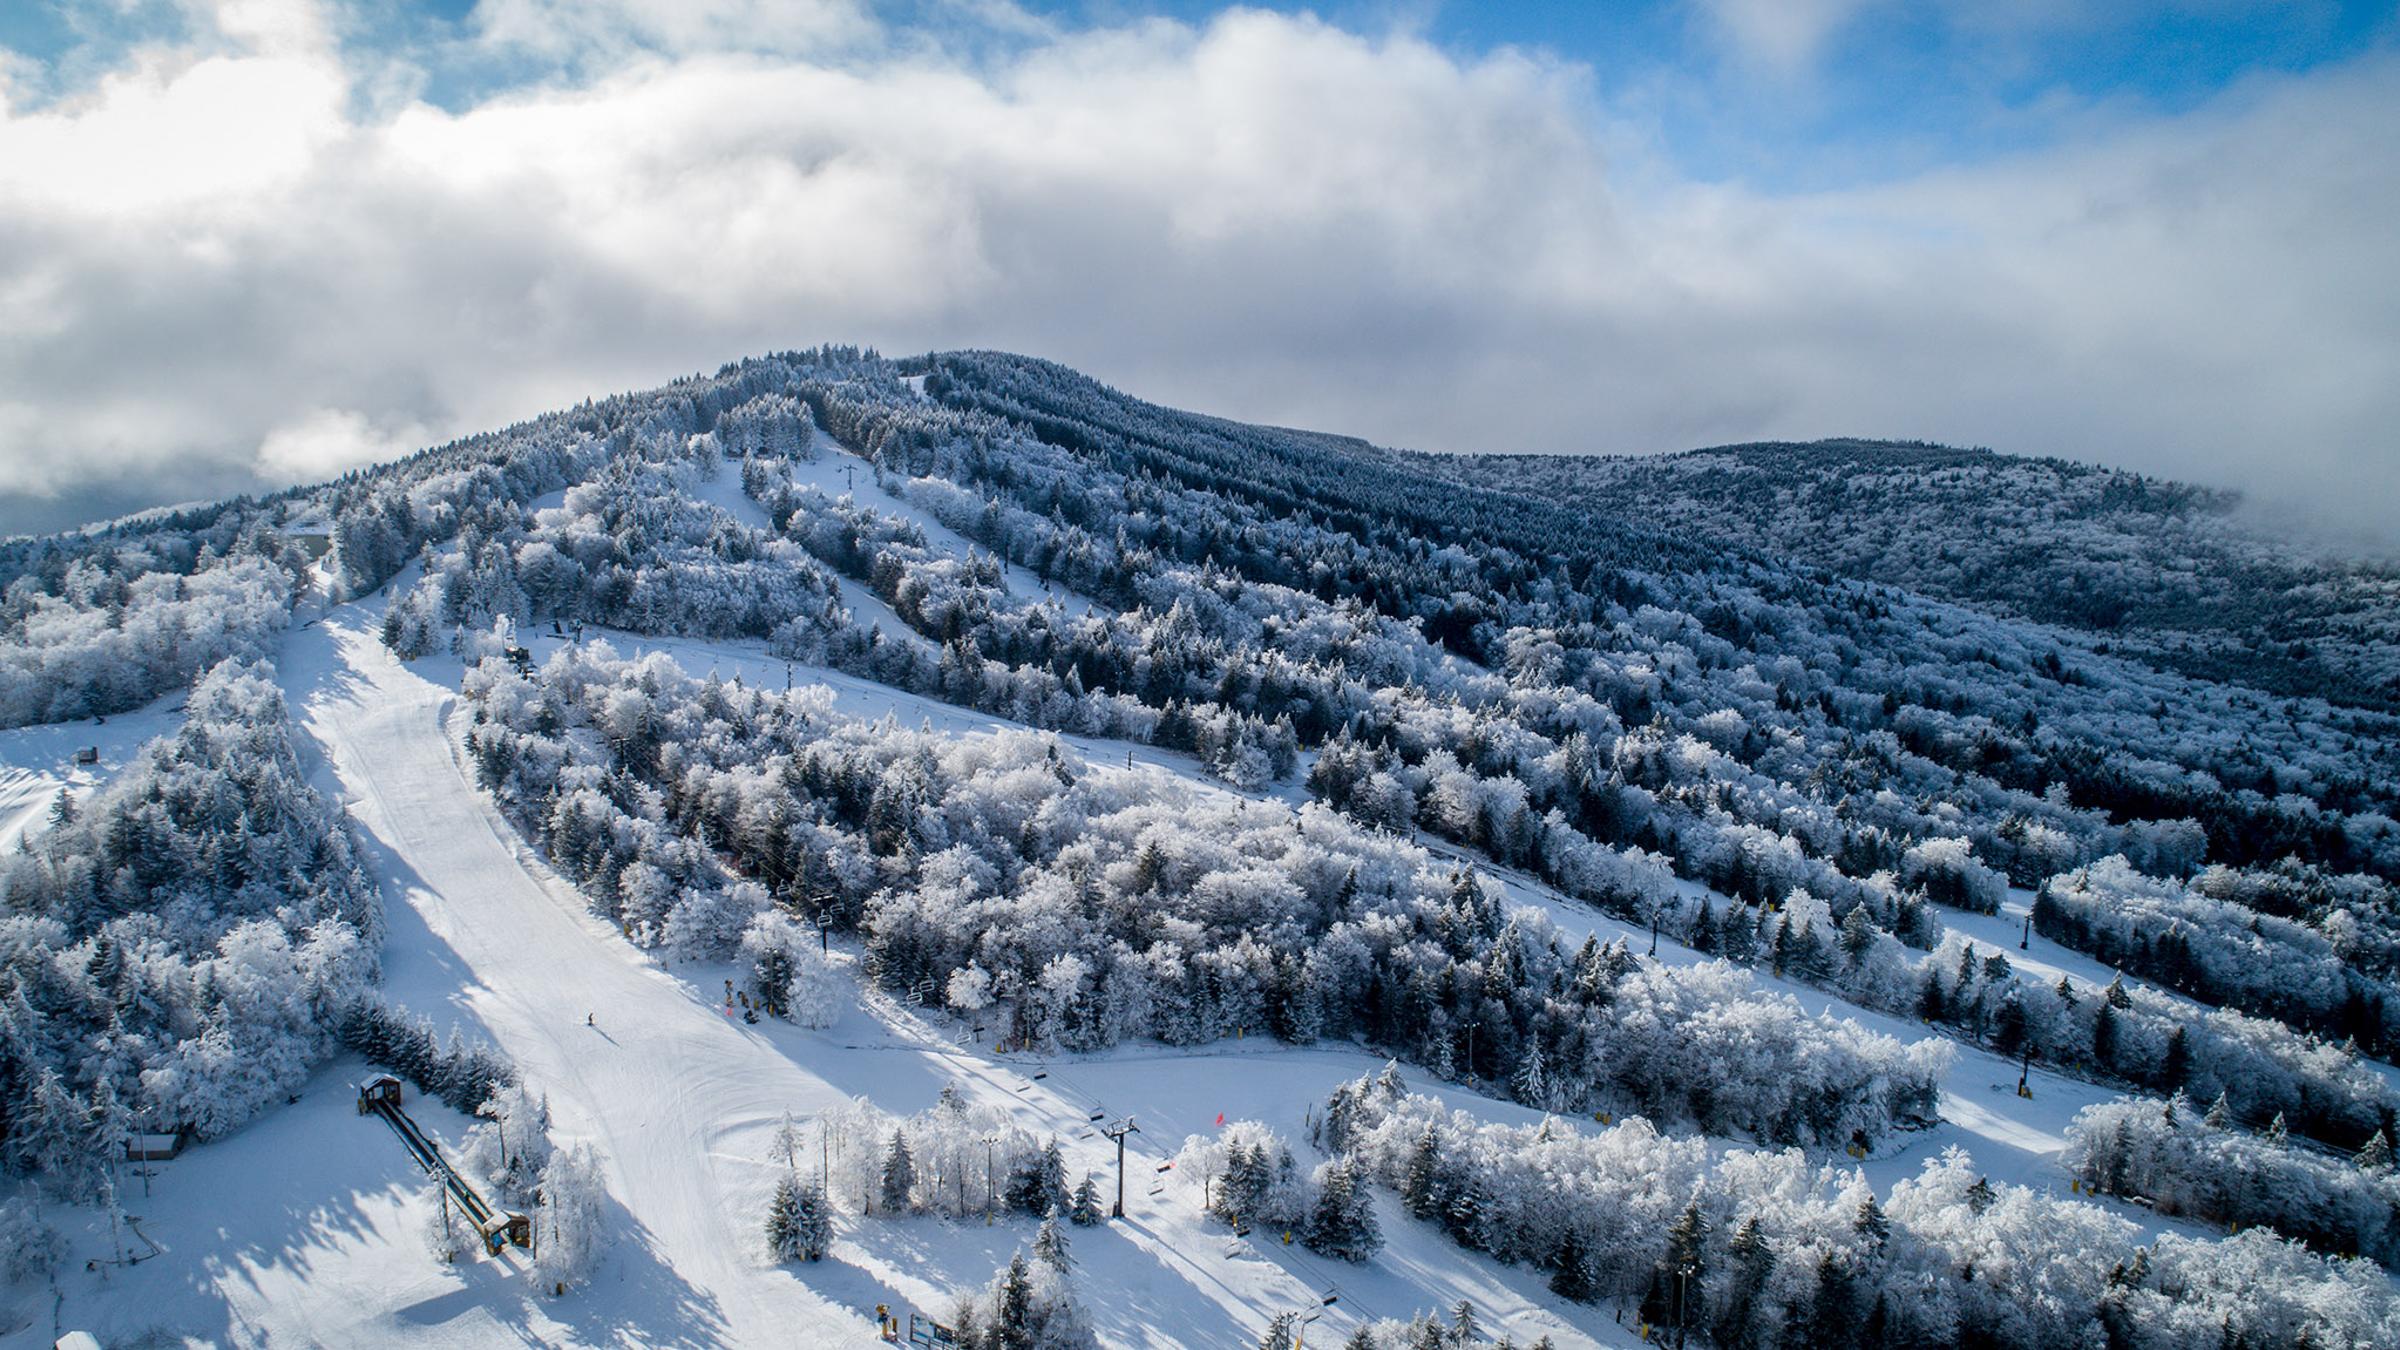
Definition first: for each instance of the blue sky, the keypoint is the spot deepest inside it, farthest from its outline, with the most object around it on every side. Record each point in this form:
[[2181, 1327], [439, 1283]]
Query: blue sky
[[1887, 87], [1893, 87], [256, 241]]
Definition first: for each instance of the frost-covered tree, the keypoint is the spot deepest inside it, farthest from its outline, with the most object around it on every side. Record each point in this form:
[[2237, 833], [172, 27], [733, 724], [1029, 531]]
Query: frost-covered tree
[[1085, 1211], [570, 1222], [1341, 1223], [1029, 1305], [899, 1180], [1050, 1243]]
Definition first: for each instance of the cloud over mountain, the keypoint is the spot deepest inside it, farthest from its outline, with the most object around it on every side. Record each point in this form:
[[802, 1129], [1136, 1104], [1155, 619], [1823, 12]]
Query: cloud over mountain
[[263, 252]]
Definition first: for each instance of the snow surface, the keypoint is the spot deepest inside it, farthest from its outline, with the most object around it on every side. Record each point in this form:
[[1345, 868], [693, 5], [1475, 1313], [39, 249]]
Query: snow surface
[[839, 473], [36, 761]]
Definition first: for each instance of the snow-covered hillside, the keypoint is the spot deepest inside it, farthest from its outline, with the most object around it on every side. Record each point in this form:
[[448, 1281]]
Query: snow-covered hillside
[[839, 774]]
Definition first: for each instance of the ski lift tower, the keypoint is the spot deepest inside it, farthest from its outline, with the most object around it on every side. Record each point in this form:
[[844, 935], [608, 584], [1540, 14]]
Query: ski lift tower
[[1117, 1130]]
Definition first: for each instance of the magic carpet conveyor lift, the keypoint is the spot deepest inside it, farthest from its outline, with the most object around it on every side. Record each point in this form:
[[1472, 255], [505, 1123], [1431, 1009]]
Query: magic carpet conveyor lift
[[380, 1096]]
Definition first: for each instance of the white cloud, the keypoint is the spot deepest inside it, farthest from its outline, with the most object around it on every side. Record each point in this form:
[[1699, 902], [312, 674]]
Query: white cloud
[[1781, 36], [324, 442], [579, 27], [221, 263]]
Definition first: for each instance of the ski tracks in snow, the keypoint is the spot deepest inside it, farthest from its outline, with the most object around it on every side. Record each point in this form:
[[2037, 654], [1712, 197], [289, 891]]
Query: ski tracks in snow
[[511, 947]]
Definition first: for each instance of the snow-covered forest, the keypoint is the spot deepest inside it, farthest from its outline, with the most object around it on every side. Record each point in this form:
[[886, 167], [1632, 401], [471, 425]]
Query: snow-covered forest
[[1698, 879], [2181, 572], [181, 946]]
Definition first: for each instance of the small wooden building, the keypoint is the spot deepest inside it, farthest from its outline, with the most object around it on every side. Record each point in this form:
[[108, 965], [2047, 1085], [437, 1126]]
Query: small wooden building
[[506, 1228], [155, 1146], [381, 1090], [89, 754]]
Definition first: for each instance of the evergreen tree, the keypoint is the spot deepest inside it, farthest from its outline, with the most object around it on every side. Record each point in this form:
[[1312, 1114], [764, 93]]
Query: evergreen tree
[[1012, 1311], [771, 981], [1571, 1275], [1050, 1244], [899, 1176], [1531, 1083], [1420, 1186], [783, 1219], [1872, 1224], [1039, 1184], [2009, 1027], [2277, 1132], [2104, 1038], [1858, 934], [1753, 1260], [1342, 1223], [1279, 1332], [1686, 1265], [1470, 1214], [2220, 1113], [2376, 1154], [1051, 1177], [1086, 1212], [813, 1223], [1835, 1321], [2176, 1069], [1980, 1196]]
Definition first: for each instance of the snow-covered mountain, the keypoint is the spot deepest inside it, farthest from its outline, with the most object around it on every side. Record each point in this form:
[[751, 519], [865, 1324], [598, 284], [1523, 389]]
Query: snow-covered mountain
[[2180, 574], [783, 827]]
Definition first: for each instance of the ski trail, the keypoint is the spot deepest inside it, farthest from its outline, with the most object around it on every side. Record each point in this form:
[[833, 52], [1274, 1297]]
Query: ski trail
[[515, 950], [679, 1099]]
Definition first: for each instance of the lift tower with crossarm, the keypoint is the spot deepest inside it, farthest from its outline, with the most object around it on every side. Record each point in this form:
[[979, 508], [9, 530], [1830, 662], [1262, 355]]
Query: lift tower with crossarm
[[1117, 1130]]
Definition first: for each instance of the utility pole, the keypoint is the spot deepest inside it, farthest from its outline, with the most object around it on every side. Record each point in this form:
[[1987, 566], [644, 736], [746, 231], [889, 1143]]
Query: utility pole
[[1118, 1131], [990, 1187]]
